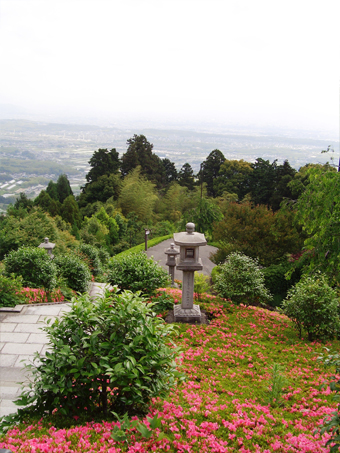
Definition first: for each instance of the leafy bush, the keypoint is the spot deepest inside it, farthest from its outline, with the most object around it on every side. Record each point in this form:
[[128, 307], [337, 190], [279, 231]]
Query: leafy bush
[[137, 272], [241, 280], [92, 253], [112, 354], [276, 281], [313, 305], [257, 232], [74, 271], [10, 288], [161, 302], [214, 273], [201, 284], [104, 256], [34, 265]]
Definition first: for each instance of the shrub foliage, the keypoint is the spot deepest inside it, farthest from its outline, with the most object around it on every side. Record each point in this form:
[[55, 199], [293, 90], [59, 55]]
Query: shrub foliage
[[313, 306], [34, 265], [114, 354], [241, 280], [10, 288], [137, 272], [74, 271]]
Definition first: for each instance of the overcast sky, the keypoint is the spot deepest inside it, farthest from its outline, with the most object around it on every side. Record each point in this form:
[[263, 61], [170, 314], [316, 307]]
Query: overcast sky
[[263, 60]]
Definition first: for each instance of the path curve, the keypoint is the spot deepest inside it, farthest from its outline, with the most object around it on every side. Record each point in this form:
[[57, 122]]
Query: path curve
[[157, 252]]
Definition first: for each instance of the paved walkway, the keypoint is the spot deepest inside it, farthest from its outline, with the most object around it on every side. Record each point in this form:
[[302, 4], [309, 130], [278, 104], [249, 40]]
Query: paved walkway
[[20, 337], [158, 254]]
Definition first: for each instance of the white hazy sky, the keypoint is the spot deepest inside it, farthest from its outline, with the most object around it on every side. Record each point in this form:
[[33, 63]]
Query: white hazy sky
[[266, 60]]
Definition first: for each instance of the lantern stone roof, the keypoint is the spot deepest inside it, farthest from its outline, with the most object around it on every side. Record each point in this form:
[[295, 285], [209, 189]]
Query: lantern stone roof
[[46, 244], [190, 237]]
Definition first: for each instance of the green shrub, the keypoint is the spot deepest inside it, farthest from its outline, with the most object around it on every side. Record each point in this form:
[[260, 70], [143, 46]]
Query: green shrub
[[10, 288], [110, 355], [214, 273], [275, 277], [201, 284], [92, 253], [277, 282], [104, 256], [137, 272], [313, 306], [162, 302], [74, 271], [241, 280], [34, 265]]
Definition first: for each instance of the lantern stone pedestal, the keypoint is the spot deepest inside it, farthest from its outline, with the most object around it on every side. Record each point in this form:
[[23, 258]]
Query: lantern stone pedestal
[[188, 262]]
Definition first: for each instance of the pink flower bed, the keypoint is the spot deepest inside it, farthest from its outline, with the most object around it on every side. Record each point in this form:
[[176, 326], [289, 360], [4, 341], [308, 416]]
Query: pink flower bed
[[38, 295], [222, 407]]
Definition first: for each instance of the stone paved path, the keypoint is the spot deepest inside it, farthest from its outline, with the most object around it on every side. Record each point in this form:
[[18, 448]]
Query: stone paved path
[[20, 337]]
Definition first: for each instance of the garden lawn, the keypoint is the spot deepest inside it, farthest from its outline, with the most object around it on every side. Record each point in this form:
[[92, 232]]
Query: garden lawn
[[223, 406]]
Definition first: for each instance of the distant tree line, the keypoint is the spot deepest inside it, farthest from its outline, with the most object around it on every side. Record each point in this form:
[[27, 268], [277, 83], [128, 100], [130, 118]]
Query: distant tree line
[[251, 207]]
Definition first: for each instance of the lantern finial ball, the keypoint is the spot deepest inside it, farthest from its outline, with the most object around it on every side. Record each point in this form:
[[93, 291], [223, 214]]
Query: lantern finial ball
[[190, 227]]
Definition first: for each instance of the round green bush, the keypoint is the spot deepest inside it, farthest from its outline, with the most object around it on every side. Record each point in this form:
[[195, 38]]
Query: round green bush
[[137, 272], [313, 306], [241, 280], [74, 271], [34, 265], [110, 355]]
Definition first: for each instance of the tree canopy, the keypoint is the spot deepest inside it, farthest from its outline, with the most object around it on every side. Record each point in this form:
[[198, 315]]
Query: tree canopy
[[103, 162], [186, 176], [318, 212], [139, 153], [210, 169]]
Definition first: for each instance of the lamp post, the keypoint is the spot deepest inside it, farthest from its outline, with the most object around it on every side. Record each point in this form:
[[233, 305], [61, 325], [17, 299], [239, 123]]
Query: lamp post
[[48, 246], [147, 232]]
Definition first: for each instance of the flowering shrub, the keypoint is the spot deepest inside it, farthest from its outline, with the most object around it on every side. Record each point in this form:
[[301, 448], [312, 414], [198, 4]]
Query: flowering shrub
[[38, 295], [222, 406]]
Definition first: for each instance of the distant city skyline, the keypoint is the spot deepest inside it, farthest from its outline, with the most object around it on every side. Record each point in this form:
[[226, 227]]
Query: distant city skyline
[[214, 61]]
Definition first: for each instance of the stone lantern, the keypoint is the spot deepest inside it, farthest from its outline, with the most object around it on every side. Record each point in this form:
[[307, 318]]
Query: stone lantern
[[188, 262], [48, 246], [171, 253]]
